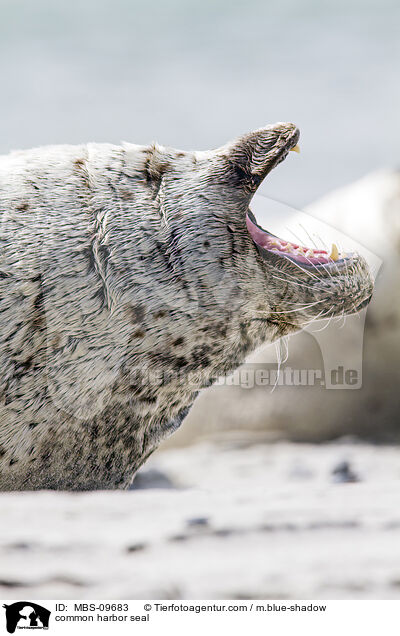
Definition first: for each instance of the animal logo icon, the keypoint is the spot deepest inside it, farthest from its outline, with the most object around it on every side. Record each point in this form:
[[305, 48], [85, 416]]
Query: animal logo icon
[[26, 615]]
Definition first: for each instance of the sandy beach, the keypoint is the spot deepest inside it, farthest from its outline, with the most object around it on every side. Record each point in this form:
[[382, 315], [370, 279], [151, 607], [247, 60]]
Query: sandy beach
[[230, 519]]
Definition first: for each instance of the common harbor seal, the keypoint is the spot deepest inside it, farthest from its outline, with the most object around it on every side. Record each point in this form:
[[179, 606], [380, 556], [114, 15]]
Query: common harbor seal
[[131, 277]]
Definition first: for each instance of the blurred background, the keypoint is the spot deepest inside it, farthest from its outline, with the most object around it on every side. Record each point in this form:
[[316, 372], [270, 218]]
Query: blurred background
[[249, 502], [194, 74]]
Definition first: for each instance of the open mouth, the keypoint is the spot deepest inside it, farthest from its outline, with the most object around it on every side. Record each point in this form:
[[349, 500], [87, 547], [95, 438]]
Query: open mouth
[[302, 255]]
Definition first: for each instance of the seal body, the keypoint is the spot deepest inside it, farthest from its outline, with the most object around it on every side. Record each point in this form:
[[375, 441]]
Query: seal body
[[128, 282]]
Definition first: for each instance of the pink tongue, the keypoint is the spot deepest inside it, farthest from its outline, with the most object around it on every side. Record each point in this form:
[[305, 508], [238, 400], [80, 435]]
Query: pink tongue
[[261, 238], [264, 240]]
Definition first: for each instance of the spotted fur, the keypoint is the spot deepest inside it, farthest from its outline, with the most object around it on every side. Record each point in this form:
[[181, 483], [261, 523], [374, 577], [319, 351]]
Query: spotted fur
[[128, 282]]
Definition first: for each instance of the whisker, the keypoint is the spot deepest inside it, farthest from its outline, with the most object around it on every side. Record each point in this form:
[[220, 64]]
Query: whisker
[[306, 272], [319, 316], [357, 311], [284, 345], [325, 326], [294, 282], [309, 235], [326, 247], [292, 276], [299, 307], [278, 359]]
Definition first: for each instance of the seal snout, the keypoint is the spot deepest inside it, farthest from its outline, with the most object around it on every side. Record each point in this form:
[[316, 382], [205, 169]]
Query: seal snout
[[287, 132], [255, 154]]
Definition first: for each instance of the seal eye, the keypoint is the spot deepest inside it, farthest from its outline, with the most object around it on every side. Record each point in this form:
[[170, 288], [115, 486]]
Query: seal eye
[[300, 254]]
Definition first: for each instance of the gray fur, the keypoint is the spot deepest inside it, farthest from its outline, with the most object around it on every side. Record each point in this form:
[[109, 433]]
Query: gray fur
[[128, 281]]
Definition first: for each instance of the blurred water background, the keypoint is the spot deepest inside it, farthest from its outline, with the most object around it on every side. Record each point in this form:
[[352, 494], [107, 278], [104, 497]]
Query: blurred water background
[[195, 74]]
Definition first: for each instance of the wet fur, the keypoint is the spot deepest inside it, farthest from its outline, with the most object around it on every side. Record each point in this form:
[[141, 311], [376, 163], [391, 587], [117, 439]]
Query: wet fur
[[128, 282]]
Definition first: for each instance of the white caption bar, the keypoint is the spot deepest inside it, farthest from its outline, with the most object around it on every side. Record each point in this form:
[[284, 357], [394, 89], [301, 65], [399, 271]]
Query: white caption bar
[[155, 617]]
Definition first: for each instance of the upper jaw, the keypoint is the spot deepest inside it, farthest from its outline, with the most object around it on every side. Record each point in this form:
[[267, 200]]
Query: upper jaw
[[270, 245], [287, 139]]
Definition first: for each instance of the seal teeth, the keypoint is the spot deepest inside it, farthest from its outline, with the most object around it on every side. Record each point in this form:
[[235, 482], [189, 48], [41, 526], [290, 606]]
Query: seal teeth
[[334, 255], [295, 148], [274, 242]]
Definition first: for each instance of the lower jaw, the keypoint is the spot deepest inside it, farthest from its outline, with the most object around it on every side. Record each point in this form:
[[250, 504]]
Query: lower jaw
[[303, 257]]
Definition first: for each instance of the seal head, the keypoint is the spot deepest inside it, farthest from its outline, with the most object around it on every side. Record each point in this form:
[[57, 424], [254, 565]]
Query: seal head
[[285, 284]]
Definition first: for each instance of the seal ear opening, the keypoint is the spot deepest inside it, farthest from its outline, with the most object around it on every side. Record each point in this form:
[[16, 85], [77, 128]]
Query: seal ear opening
[[251, 157]]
